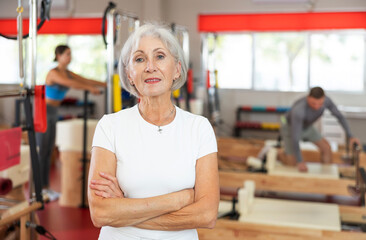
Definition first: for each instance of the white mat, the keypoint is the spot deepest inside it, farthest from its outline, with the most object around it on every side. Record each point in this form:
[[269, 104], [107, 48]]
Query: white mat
[[309, 146], [69, 134], [315, 170], [299, 214]]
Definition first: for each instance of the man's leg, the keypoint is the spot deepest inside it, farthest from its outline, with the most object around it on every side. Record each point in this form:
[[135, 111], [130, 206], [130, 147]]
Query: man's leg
[[286, 159], [290, 160], [325, 150], [285, 154]]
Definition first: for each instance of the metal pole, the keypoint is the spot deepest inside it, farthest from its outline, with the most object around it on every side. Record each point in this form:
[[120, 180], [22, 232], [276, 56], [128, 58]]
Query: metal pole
[[33, 150], [110, 59], [185, 45], [13, 93], [20, 41], [84, 159], [32, 44], [133, 24], [137, 24], [363, 186], [356, 160]]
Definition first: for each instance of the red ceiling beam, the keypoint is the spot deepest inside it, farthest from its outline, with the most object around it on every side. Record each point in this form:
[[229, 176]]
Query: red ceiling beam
[[281, 22], [71, 26]]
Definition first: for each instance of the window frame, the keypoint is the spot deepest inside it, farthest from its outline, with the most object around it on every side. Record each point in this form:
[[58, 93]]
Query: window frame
[[308, 45]]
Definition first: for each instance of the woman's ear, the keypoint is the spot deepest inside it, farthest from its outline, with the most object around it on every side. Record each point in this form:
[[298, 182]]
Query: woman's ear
[[129, 77], [128, 74], [178, 70]]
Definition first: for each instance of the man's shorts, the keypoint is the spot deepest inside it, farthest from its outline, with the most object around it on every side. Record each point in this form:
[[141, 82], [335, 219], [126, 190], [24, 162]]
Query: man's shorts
[[307, 134]]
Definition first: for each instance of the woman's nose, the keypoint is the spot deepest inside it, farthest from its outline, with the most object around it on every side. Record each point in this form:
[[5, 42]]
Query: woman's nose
[[150, 66]]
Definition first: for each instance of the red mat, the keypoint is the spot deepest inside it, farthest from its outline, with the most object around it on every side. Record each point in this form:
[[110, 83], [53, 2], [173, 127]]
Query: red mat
[[10, 147]]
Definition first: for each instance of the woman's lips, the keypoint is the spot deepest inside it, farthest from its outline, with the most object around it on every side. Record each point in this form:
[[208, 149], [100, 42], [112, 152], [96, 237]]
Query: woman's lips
[[152, 80]]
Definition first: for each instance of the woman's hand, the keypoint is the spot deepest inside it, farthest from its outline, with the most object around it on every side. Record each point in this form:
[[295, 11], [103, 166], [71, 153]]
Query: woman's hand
[[107, 187], [94, 90]]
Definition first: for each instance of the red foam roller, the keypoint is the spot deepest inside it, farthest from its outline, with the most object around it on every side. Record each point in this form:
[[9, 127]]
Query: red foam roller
[[190, 81], [208, 84], [40, 109], [6, 185], [271, 109], [246, 108]]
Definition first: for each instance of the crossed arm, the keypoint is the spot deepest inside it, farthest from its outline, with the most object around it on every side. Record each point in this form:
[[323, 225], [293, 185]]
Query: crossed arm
[[185, 209]]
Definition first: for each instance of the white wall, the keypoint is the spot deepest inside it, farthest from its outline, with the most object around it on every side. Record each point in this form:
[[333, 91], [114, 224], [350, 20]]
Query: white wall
[[74, 8], [185, 12]]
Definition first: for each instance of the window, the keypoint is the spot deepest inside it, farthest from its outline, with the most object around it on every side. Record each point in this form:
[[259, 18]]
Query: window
[[280, 61], [290, 61], [88, 57], [337, 59], [46, 45], [9, 62], [227, 54]]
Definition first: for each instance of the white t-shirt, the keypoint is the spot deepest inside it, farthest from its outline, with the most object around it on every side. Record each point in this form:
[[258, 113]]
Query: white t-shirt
[[152, 163]]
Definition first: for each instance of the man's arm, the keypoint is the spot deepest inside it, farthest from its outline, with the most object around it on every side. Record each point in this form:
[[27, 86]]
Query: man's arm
[[342, 120], [296, 129], [335, 112]]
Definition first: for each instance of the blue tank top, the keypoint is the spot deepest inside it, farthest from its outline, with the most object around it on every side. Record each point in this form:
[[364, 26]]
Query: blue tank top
[[56, 92]]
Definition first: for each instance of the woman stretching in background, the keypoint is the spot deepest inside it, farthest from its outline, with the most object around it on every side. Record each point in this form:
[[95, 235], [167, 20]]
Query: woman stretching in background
[[58, 82]]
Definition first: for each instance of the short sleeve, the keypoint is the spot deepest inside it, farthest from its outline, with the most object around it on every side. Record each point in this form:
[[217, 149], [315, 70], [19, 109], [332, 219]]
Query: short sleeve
[[103, 135], [207, 140]]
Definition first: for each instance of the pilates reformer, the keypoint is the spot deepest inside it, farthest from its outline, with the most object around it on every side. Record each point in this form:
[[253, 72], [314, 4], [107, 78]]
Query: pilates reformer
[[235, 170], [352, 218], [22, 213], [113, 19], [263, 218], [182, 35], [211, 76]]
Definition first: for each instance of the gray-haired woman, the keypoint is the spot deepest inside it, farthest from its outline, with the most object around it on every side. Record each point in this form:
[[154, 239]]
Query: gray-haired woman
[[153, 172]]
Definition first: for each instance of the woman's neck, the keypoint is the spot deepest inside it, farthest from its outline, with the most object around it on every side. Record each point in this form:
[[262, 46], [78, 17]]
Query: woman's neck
[[157, 110], [62, 67]]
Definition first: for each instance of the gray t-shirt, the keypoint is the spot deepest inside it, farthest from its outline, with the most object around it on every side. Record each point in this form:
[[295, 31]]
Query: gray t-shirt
[[301, 116]]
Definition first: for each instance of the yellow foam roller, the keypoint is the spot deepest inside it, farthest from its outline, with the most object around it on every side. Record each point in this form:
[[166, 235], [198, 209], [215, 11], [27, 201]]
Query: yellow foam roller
[[117, 99], [216, 79], [176, 93], [270, 126]]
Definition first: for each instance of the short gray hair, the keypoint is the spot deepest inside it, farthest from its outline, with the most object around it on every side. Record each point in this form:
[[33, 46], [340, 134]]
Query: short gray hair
[[168, 40]]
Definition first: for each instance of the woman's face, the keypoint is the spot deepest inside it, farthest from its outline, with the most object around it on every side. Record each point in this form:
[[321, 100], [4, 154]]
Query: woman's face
[[152, 68], [65, 57]]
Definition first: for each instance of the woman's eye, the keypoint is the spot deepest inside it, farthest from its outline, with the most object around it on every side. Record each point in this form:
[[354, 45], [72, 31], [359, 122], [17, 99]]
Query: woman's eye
[[161, 56], [139, 59]]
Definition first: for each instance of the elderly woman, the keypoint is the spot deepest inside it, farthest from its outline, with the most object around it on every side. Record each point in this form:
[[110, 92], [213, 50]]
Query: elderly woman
[[153, 172]]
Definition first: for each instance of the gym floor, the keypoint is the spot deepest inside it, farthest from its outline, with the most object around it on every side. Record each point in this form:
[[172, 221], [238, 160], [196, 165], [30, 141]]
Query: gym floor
[[65, 223]]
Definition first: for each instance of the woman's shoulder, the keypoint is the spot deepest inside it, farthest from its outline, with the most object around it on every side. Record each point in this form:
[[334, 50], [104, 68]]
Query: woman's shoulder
[[192, 118], [54, 71], [52, 74], [122, 116]]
